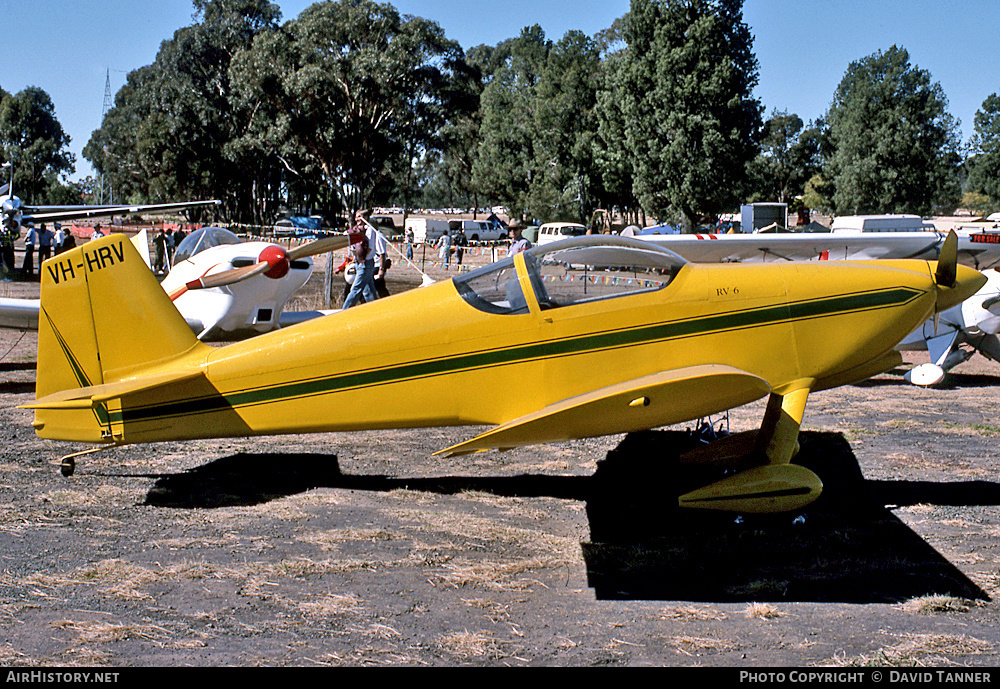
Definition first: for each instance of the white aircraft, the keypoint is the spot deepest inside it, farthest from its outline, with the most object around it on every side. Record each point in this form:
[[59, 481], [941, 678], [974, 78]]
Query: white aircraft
[[15, 213], [958, 333], [951, 338], [19, 314], [224, 288], [230, 289], [979, 249]]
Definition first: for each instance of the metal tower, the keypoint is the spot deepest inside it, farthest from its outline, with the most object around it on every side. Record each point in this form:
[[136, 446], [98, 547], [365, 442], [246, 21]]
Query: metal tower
[[105, 192]]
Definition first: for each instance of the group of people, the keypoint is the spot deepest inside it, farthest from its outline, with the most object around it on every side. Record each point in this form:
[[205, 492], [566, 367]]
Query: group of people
[[164, 245], [446, 241], [41, 240]]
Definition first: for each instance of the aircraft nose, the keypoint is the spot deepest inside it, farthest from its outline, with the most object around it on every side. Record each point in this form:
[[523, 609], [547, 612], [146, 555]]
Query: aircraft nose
[[967, 282]]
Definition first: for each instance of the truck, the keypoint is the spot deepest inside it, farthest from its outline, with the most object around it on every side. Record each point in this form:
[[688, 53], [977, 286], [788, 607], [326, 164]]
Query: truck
[[478, 230]]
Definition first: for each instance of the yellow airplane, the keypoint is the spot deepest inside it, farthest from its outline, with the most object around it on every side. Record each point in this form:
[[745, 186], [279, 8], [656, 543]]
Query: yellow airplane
[[590, 336]]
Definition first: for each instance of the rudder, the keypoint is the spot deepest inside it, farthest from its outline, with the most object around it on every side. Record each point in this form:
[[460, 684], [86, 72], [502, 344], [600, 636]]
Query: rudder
[[104, 318]]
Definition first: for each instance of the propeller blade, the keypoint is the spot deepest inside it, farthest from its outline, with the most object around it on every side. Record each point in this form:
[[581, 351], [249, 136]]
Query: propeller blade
[[947, 261], [228, 277], [319, 246]]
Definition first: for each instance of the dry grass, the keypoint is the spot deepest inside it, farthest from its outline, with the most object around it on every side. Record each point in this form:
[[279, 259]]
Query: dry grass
[[495, 576], [918, 650], [984, 429], [102, 495], [467, 645], [697, 645], [332, 604], [762, 611], [330, 538], [106, 632], [489, 530], [927, 605], [690, 613]]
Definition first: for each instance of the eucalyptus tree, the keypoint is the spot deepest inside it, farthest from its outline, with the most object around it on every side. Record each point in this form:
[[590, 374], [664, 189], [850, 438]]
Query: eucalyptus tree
[[566, 126], [505, 162], [691, 122], [789, 157], [33, 142], [166, 136], [984, 164], [451, 172], [538, 125], [895, 147], [344, 92], [613, 160]]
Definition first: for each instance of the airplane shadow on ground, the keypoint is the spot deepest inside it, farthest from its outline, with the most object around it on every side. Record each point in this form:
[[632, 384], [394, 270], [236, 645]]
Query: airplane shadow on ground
[[846, 547], [14, 387]]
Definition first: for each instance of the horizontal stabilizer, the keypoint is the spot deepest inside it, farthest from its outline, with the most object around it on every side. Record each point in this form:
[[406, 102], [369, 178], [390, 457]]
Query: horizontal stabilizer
[[656, 400], [84, 398]]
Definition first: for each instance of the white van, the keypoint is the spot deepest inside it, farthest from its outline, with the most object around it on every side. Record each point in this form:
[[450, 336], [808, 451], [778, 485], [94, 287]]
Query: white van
[[891, 222], [426, 230], [477, 230], [554, 231]]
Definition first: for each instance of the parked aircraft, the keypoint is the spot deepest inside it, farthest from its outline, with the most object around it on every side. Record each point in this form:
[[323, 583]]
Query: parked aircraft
[[19, 314], [956, 334], [212, 261], [223, 287], [951, 339], [14, 213], [977, 249], [591, 336]]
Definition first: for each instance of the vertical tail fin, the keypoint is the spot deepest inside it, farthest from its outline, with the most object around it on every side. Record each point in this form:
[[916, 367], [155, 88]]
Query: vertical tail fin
[[104, 318]]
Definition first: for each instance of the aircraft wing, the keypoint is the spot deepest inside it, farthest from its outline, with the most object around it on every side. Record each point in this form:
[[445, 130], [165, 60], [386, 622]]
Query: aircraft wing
[[289, 318], [19, 314], [58, 213], [975, 249], [660, 399]]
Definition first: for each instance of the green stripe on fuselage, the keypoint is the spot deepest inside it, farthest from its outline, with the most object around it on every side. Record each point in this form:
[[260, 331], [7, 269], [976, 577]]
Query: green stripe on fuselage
[[647, 334]]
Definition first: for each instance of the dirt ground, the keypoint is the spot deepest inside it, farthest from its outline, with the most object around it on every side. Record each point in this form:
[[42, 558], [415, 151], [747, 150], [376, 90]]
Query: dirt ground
[[364, 549]]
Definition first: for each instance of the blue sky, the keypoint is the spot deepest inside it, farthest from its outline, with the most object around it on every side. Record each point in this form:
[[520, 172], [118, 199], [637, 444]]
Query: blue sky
[[66, 47]]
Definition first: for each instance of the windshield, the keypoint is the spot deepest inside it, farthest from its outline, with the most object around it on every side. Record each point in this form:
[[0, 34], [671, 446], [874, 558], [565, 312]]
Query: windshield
[[494, 289], [202, 239], [593, 268], [571, 272]]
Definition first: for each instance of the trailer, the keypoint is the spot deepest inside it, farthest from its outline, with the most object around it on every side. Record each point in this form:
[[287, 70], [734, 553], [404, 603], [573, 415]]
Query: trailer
[[426, 230]]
